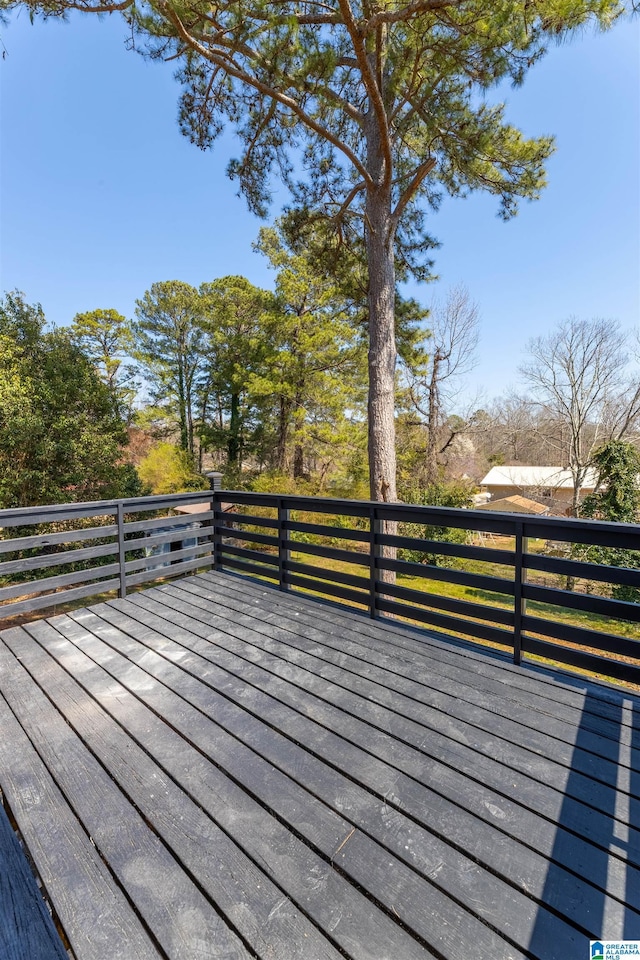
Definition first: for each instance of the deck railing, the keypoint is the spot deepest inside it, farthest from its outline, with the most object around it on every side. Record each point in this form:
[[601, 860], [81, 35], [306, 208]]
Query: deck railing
[[534, 586], [61, 553], [527, 584]]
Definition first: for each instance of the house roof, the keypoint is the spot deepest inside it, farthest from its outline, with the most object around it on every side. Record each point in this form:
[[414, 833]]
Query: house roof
[[515, 504], [527, 476]]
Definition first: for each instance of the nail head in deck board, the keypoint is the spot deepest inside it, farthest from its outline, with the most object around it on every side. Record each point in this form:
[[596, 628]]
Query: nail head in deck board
[[493, 844], [97, 919], [26, 928], [184, 922]]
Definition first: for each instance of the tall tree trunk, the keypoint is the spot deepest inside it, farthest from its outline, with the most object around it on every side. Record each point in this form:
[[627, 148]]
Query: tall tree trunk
[[298, 462], [233, 443], [382, 342], [283, 434], [433, 424], [182, 407], [298, 422], [379, 237]]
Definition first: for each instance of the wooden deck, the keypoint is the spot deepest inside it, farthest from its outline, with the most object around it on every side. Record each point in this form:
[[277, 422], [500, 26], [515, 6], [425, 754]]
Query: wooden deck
[[213, 769]]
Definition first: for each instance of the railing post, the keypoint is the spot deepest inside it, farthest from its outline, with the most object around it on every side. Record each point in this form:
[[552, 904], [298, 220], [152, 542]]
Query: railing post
[[284, 554], [122, 589], [218, 518], [376, 527], [519, 600]]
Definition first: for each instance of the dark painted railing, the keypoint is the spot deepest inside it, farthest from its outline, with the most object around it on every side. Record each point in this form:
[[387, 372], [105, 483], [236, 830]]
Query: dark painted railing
[[524, 583], [56, 554], [527, 583]]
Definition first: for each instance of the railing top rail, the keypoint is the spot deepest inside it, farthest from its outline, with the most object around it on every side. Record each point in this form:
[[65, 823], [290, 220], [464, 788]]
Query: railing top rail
[[472, 519], [49, 513], [577, 529]]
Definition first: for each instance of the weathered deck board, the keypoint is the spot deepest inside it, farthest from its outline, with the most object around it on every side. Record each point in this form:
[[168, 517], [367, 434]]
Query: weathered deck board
[[463, 775], [432, 670], [549, 737], [92, 908], [242, 773], [26, 929]]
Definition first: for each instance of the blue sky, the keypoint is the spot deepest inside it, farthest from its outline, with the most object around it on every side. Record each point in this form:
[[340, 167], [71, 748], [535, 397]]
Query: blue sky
[[101, 196]]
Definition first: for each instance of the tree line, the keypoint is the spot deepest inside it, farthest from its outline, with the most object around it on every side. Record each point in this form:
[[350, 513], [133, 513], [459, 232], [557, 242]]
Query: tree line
[[270, 387]]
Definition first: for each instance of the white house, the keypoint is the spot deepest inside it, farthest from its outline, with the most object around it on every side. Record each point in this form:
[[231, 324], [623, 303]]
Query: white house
[[552, 485]]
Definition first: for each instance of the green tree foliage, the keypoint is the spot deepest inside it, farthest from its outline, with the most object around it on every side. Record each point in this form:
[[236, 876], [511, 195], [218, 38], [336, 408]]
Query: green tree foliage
[[385, 104], [315, 371], [168, 469], [439, 494], [61, 438], [105, 337], [617, 497], [236, 346], [169, 345]]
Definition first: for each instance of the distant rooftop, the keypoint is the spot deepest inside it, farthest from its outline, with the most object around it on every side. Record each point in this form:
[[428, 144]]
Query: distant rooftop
[[515, 504], [526, 476]]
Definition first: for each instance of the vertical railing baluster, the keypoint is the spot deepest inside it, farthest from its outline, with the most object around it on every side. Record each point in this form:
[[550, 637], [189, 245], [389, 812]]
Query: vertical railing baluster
[[284, 554], [376, 527], [122, 589], [519, 600], [218, 520]]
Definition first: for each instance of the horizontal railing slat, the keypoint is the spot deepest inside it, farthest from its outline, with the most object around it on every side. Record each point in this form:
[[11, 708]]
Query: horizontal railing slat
[[583, 570], [43, 540], [53, 599], [251, 568], [480, 631], [251, 521], [333, 576], [612, 643], [328, 590], [429, 571], [154, 540], [52, 583], [174, 570], [328, 530], [184, 520], [462, 550], [158, 560], [615, 609], [330, 553], [462, 607], [246, 553], [57, 559], [603, 666], [248, 536]]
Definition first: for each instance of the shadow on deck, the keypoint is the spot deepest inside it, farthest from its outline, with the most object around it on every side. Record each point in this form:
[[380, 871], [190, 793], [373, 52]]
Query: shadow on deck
[[211, 768]]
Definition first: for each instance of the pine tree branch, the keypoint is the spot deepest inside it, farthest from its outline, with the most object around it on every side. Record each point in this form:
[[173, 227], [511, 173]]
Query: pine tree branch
[[373, 91], [233, 70], [422, 171], [406, 13]]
